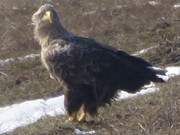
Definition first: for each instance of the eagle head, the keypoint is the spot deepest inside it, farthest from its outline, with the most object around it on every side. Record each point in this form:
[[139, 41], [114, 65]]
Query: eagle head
[[46, 24], [46, 14]]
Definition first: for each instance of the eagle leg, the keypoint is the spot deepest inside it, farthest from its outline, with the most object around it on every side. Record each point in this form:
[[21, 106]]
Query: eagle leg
[[82, 115]]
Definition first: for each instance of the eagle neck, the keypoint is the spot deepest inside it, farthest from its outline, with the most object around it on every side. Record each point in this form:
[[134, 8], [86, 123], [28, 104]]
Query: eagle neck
[[45, 34], [59, 32]]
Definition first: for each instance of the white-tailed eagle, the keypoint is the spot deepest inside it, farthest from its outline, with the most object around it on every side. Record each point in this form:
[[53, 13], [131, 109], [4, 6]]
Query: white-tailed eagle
[[91, 72]]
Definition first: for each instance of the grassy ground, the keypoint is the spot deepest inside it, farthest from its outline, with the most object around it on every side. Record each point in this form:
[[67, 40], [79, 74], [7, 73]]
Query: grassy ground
[[123, 24], [126, 25], [26, 81], [154, 114]]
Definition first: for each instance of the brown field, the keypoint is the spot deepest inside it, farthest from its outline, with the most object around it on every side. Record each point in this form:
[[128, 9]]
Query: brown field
[[124, 24]]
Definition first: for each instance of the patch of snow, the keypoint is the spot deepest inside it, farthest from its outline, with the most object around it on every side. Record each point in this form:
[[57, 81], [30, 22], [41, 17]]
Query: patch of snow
[[143, 51], [80, 132], [164, 77], [172, 71], [55, 106], [18, 59], [151, 88], [120, 6], [90, 12], [153, 2], [147, 89], [4, 74], [156, 68], [17, 115], [177, 5], [15, 8]]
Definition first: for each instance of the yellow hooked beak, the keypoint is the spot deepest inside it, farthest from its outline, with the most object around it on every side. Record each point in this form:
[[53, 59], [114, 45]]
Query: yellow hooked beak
[[48, 16]]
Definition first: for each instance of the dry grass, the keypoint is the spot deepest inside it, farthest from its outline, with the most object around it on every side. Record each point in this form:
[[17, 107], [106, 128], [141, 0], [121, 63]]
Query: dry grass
[[26, 81], [154, 114], [124, 24], [127, 25], [167, 53]]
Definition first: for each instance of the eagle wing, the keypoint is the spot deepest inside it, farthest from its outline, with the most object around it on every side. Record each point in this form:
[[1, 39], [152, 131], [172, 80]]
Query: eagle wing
[[84, 61]]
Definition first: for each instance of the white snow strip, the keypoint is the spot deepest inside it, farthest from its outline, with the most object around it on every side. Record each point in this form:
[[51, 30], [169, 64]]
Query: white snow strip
[[18, 59], [80, 132], [4, 74], [18, 115], [145, 90], [90, 12], [177, 5], [172, 71], [151, 88], [153, 3], [143, 51]]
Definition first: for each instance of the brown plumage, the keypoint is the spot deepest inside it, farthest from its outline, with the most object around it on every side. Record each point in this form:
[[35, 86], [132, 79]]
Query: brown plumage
[[92, 72]]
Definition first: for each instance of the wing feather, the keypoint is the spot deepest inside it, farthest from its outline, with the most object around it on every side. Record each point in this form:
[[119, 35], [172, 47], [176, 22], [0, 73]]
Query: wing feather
[[84, 61]]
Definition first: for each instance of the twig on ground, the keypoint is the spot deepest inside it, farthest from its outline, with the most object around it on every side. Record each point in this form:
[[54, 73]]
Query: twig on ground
[[4, 74]]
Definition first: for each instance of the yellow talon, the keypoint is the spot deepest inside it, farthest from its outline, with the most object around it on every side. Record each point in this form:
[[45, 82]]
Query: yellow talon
[[82, 117], [72, 118]]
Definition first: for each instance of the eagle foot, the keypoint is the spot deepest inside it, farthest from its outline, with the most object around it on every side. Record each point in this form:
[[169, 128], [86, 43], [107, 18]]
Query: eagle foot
[[82, 117], [72, 118]]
